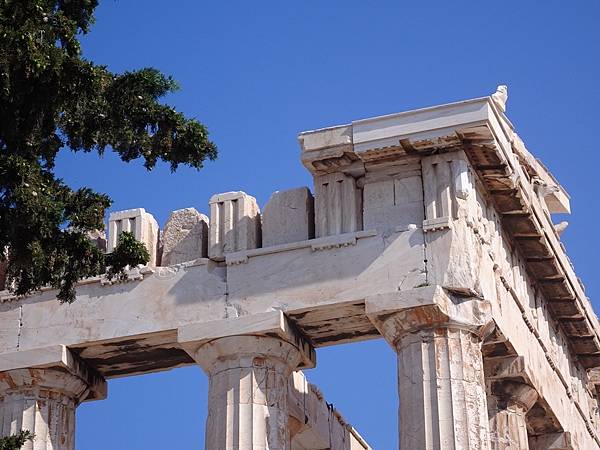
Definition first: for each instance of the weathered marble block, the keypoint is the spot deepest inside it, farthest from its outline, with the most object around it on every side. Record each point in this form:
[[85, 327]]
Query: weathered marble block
[[338, 205], [289, 216], [393, 197], [234, 224], [185, 237], [446, 179], [138, 222]]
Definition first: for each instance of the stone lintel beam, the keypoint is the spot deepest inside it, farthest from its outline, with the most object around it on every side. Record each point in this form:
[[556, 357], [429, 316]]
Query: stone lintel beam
[[268, 324], [500, 160], [398, 313], [61, 359], [552, 441]]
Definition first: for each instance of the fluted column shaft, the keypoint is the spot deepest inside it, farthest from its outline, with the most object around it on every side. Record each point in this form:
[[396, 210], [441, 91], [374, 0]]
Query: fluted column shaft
[[42, 401], [248, 378], [508, 404], [442, 390], [437, 336]]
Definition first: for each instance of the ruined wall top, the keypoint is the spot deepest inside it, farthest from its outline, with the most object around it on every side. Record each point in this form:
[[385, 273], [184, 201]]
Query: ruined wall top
[[351, 164], [388, 174]]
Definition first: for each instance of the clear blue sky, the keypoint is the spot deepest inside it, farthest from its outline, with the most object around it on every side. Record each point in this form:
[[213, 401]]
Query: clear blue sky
[[257, 73]]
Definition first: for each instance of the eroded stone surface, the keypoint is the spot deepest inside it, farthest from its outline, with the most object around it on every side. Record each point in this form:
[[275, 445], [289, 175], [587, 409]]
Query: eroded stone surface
[[185, 237]]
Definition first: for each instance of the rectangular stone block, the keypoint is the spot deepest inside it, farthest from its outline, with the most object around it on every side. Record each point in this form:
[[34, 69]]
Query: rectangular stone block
[[141, 224], [446, 179], [338, 205], [393, 198], [234, 224], [185, 237], [289, 216]]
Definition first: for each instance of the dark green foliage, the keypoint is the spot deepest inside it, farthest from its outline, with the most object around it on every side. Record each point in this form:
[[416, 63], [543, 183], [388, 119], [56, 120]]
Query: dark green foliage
[[15, 442], [52, 98], [128, 252]]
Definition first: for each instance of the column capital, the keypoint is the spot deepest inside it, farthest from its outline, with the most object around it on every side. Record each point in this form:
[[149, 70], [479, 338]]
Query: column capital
[[53, 368], [399, 313], [207, 340], [249, 351], [512, 393], [38, 381], [509, 382], [40, 391]]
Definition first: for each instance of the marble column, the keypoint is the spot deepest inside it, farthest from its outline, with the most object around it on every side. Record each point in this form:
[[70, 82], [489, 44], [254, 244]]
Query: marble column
[[248, 381], [440, 367], [442, 390], [42, 401], [508, 403]]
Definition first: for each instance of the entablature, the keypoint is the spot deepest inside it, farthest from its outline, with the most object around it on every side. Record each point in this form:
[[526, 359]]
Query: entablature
[[522, 190]]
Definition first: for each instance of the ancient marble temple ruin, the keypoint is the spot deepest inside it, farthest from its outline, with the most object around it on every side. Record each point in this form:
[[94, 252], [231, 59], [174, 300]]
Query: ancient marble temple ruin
[[431, 229]]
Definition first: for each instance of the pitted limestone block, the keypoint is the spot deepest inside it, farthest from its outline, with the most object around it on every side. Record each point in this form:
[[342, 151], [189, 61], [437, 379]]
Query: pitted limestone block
[[289, 216], [234, 224], [338, 205], [138, 222], [185, 237]]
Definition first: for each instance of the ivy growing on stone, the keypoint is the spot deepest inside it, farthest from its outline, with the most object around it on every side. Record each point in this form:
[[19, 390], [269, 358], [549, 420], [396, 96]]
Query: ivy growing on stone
[[53, 99]]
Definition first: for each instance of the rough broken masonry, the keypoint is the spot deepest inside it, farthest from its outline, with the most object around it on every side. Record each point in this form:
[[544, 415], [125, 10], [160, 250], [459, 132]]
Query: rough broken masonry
[[431, 229]]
